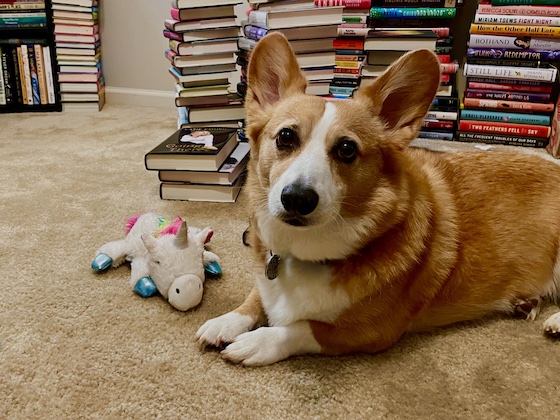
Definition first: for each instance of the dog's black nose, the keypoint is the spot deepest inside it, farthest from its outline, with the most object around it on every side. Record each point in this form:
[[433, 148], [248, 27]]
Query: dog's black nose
[[299, 199]]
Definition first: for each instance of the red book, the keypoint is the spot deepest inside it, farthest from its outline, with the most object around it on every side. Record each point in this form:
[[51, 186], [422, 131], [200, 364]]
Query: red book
[[528, 130], [508, 105], [444, 125], [348, 44], [514, 88], [444, 58], [348, 4]]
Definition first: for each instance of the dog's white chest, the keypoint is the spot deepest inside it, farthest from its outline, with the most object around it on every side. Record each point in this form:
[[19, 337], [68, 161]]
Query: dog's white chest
[[302, 291]]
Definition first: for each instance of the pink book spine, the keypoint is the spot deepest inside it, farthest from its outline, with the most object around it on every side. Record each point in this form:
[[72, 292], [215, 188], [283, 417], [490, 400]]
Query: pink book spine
[[350, 4], [519, 10], [175, 14]]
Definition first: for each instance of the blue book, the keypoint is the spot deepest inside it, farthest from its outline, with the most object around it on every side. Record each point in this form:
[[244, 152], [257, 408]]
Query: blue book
[[34, 76], [509, 117]]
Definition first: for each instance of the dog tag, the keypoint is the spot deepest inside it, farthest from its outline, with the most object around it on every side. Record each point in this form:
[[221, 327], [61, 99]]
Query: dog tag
[[272, 264]]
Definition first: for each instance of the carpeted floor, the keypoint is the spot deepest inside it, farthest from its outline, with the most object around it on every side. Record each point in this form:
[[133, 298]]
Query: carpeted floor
[[78, 345]]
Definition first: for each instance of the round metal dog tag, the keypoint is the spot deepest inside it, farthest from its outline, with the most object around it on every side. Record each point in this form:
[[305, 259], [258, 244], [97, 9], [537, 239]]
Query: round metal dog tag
[[272, 264]]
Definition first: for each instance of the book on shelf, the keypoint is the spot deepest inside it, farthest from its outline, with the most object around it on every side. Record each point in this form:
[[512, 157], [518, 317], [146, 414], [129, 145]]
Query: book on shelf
[[17, 6], [90, 106], [400, 40], [508, 117], [517, 20], [547, 73], [529, 130], [506, 140], [191, 25], [509, 54], [412, 12], [79, 77], [521, 10], [227, 174], [515, 30], [233, 111], [199, 13], [510, 87], [536, 2], [81, 3], [206, 59], [198, 91], [194, 149], [76, 29], [289, 18], [203, 79], [10, 20], [512, 106], [513, 42], [191, 4], [435, 135], [303, 32], [76, 39], [204, 46], [508, 95], [91, 87], [201, 192], [76, 16], [202, 34]]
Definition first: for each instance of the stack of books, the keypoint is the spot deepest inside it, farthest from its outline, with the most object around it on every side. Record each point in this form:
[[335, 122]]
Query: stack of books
[[202, 46], [200, 164], [349, 45], [311, 31], [78, 53], [511, 75], [26, 71], [399, 26]]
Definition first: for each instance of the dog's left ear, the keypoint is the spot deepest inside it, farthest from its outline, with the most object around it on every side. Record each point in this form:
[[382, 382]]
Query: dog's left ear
[[402, 95], [273, 74]]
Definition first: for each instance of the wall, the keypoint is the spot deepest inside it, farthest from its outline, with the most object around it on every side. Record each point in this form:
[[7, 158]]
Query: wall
[[133, 46]]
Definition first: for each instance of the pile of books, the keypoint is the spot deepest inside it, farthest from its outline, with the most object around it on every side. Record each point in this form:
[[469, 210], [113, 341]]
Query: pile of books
[[311, 31], [78, 53], [511, 75], [200, 164], [399, 26], [349, 45], [26, 71], [202, 45]]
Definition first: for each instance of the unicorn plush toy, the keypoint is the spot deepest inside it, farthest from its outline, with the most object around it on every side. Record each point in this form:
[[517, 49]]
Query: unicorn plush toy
[[164, 256]]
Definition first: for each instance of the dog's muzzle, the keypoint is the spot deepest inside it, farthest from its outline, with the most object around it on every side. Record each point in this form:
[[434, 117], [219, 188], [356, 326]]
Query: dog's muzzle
[[298, 201]]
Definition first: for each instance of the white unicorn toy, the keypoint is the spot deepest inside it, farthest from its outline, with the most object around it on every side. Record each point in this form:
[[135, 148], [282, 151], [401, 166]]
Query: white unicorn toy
[[165, 256]]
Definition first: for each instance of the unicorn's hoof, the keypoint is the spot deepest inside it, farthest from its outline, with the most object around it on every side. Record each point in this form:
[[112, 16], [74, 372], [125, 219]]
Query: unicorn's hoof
[[145, 287], [101, 262], [213, 269]]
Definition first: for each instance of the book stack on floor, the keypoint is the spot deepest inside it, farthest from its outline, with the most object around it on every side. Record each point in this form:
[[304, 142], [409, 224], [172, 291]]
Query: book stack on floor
[[399, 26], [349, 45], [311, 31], [78, 53], [511, 74], [26, 70], [200, 164], [202, 45]]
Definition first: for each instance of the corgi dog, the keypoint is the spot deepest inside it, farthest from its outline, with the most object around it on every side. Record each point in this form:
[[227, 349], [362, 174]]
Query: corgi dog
[[359, 238]]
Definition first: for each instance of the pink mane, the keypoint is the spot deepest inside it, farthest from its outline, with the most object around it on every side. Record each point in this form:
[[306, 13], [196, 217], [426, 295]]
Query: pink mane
[[172, 228], [131, 222]]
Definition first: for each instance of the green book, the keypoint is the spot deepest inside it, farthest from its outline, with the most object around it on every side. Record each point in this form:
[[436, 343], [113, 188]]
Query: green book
[[412, 12], [522, 2]]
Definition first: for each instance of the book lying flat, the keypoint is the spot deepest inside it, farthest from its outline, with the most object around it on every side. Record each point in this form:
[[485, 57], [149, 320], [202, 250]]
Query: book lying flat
[[201, 192], [295, 17], [193, 149], [203, 114], [233, 166], [400, 40]]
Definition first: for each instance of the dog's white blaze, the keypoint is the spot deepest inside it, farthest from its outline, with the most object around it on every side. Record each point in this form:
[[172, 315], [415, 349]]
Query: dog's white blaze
[[302, 291]]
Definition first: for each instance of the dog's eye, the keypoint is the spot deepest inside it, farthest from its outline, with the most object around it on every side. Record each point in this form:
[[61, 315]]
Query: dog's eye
[[286, 139], [346, 151]]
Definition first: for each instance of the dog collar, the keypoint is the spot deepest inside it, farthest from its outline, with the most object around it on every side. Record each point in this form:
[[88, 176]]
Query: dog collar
[[272, 266]]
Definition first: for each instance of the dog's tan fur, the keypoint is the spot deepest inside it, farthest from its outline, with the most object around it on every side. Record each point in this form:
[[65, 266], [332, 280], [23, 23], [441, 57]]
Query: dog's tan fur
[[443, 237]]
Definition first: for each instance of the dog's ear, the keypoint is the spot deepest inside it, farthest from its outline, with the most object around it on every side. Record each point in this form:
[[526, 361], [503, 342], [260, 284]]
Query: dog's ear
[[402, 95], [273, 73]]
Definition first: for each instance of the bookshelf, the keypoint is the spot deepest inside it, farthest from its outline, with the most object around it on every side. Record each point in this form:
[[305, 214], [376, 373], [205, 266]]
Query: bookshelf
[[30, 34]]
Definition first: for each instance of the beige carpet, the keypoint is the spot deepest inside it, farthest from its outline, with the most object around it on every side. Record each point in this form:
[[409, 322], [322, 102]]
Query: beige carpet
[[78, 345]]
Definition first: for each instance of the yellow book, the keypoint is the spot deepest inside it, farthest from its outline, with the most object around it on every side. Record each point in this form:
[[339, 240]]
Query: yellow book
[[526, 30]]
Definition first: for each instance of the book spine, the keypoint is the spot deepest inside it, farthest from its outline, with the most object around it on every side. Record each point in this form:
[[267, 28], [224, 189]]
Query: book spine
[[553, 146], [254, 32], [354, 19], [414, 3], [3, 81], [348, 44], [519, 10], [258, 18], [343, 70], [441, 125], [26, 73], [175, 14], [33, 75], [436, 135], [412, 12], [349, 57], [529, 130], [15, 68], [349, 4], [449, 67], [7, 81], [41, 74], [517, 20], [508, 105], [504, 53], [517, 30], [503, 72], [20, 7], [509, 87], [23, 22], [441, 115], [341, 90], [500, 139], [445, 102], [519, 2], [507, 63], [348, 64], [49, 76], [172, 35], [444, 58], [508, 81], [513, 42], [507, 117], [508, 96], [352, 31]]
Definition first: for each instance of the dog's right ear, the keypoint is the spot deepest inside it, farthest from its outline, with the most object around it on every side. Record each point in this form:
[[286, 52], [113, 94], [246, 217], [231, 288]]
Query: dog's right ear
[[273, 74]]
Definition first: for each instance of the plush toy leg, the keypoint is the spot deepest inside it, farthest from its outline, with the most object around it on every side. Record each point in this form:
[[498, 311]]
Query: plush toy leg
[[110, 254], [140, 280]]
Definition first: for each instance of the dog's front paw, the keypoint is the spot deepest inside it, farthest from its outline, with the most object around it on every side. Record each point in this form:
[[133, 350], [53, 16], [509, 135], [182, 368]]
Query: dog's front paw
[[223, 329], [264, 346], [552, 326]]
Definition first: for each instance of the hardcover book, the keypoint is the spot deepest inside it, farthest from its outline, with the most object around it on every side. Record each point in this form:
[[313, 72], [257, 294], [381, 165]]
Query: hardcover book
[[201, 192], [200, 149]]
